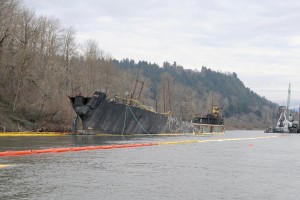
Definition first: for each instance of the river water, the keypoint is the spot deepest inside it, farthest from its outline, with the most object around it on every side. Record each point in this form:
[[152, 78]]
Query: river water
[[221, 167]]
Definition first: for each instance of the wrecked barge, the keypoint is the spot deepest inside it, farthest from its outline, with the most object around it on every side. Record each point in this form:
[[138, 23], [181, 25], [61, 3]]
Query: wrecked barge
[[120, 116]]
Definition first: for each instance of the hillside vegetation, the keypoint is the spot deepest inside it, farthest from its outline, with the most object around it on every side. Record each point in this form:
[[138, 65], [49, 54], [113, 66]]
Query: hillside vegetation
[[196, 91], [41, 65]]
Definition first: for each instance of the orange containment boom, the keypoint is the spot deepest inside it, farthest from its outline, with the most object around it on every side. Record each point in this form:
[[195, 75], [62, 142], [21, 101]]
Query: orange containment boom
[[115, 146], [68, 149]]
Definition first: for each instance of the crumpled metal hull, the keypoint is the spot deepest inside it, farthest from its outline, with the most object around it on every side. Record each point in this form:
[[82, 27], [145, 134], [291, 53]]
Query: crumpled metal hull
[[101, 115]]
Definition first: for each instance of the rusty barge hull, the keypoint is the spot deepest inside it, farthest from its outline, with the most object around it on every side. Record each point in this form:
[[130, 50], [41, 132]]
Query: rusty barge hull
[[101, 115], [107, 116]]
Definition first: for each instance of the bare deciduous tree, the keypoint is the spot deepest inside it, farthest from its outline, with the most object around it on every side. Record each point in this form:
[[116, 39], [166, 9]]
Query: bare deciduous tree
[[24, 54], [68, 51]]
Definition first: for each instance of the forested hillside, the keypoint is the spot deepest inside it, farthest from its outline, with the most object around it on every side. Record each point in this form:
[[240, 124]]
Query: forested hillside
[[41, 65], [198, 90]]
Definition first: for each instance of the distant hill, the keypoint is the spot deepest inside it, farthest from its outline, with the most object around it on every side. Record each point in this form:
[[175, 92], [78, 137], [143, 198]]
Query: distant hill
[[210, 87]]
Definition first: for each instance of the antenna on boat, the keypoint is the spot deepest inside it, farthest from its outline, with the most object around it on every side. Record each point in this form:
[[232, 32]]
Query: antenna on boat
[[212, 104], [170, 105], [168, 95], [288, 101]]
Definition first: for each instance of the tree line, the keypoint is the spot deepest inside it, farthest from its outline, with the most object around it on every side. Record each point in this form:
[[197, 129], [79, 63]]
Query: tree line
[[40, 64]]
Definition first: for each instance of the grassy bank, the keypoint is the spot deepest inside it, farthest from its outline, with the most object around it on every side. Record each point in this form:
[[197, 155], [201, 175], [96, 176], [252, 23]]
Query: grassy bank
[[30, 120]]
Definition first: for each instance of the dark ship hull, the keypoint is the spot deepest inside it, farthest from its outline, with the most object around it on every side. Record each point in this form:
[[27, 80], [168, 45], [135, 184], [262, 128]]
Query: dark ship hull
[[100, 115]]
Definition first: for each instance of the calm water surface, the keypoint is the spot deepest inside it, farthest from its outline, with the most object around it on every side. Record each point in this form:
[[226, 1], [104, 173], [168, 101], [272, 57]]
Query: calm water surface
[[234, 169]]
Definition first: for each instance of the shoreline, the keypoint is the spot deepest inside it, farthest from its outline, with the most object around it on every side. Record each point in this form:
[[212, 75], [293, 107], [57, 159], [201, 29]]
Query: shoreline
[[28, 133]]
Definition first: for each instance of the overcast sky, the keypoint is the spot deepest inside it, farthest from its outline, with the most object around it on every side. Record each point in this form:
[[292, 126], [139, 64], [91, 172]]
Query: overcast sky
[[257, 39]]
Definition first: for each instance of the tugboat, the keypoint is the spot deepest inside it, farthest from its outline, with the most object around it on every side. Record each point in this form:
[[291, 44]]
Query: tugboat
[[286, 122], [210, 123]]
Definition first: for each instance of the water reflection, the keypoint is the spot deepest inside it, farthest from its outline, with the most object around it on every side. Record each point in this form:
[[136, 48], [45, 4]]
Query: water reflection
[[84, 140], [43, 142]]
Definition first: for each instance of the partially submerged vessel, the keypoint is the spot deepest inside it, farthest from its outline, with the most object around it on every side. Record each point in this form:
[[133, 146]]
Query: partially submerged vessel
[[210, 123], [125, 116], [286, 122]]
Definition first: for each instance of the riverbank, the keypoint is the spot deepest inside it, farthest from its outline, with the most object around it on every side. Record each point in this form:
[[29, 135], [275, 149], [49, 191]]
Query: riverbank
[[30, 120], [33, 123]]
